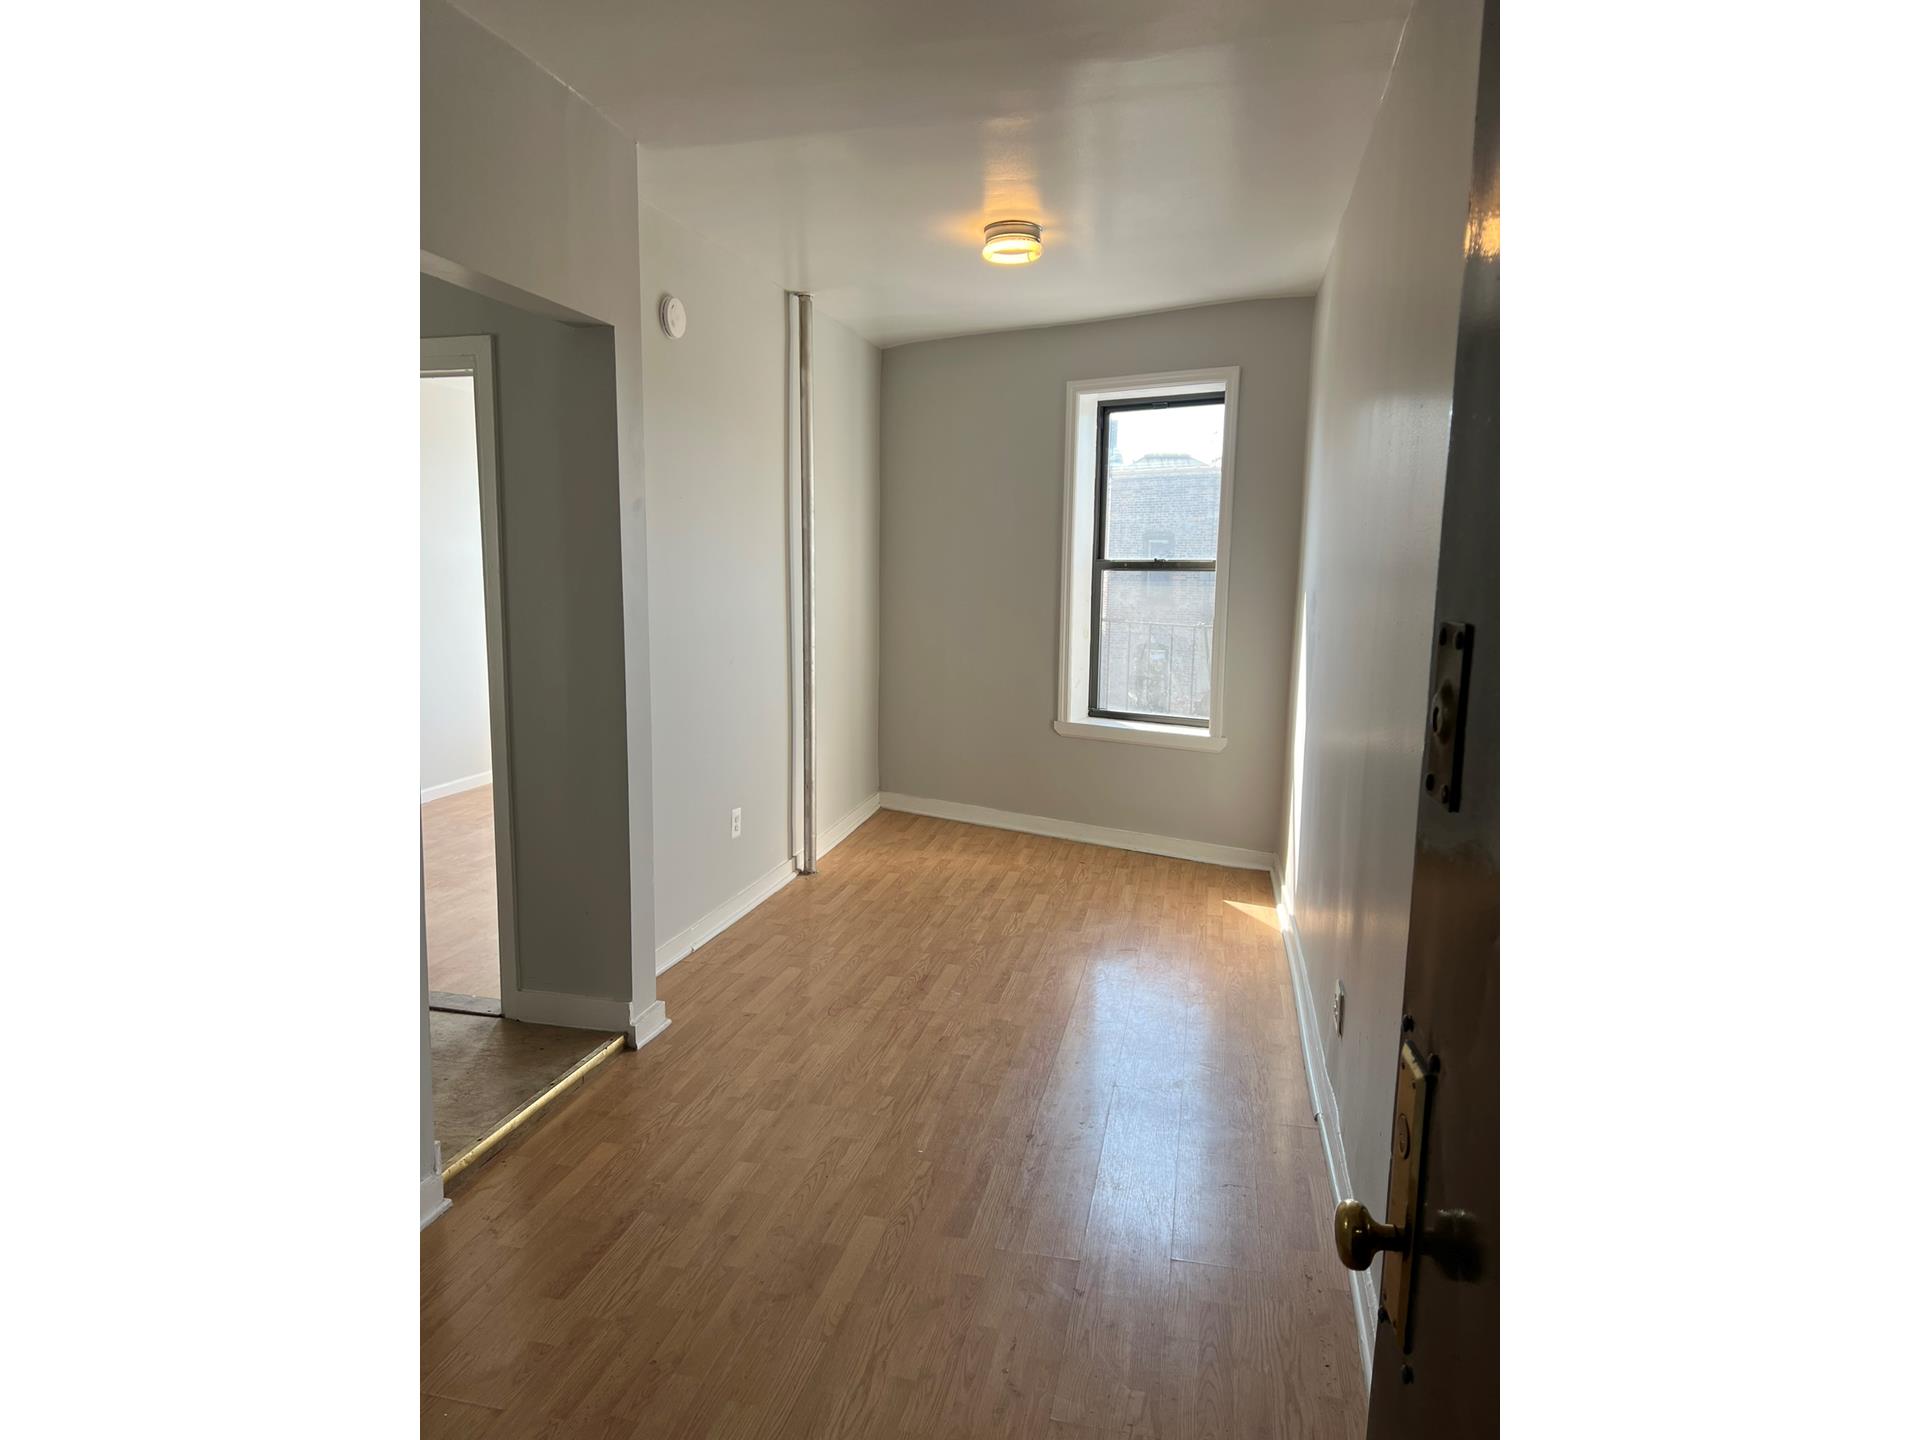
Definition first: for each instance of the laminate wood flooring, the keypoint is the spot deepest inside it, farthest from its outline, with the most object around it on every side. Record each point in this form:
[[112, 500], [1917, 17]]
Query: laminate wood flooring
[[463, 916], [973, 1133]]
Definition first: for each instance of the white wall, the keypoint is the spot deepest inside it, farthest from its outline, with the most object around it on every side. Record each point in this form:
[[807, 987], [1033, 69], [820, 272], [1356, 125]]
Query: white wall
[[716, 451], [972, 458], [1384, 340], [716, 464], [529, 196], [846, 549], [455, 743]]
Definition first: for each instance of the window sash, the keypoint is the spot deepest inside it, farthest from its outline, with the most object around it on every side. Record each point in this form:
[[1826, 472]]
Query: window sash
[[1102, 565]]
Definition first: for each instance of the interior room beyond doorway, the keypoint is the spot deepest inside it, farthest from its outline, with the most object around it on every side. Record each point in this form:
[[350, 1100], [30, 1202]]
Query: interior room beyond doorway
[[456, 761], [463, 915]]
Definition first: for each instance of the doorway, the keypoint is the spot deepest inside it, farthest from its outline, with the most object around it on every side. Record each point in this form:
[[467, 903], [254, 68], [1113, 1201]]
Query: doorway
[[466, 834], [490, 1070]]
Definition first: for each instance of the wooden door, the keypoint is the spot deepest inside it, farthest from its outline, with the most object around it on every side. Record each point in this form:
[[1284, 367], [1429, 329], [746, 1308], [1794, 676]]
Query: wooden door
[[1446, 1381]]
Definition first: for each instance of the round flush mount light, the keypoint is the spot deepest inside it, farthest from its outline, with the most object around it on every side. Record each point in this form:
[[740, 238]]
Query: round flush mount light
[[673, 316], [1011, 242]]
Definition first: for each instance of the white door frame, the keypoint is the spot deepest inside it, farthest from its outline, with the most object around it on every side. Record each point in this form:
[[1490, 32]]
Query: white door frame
[[472, 355]]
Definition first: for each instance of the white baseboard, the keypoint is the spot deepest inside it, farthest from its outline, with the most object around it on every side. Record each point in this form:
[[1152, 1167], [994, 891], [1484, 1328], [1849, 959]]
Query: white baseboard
[[433, 1199], [454, 787], [682, 944], [1326, 1112], [638, 1020], [648, 1023], [581, 1012], [849, 823], [1201, 850]]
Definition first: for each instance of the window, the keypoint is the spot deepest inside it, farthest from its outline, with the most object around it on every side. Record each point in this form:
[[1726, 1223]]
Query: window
[[1156, 523], [1148, 507]]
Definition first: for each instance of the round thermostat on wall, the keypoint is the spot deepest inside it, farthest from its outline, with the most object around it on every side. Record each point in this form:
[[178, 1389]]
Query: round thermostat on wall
[[673, 316]]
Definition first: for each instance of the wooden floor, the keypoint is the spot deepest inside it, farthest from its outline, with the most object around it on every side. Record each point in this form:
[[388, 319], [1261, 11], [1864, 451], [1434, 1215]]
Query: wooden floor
[[973, 1133], [463, 917]]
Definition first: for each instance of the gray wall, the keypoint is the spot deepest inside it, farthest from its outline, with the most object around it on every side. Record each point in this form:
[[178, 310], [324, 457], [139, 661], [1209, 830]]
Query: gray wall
[[566, 695], [1382, 392], [529, 195], [455, 740], [717, 496], [972, 431]]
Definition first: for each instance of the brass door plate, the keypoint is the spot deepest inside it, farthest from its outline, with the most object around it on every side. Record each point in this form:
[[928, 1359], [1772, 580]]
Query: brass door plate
[[1403, 1188]]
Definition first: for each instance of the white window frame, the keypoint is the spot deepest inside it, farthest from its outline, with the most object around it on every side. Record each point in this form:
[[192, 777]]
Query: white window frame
[[1084, 398]]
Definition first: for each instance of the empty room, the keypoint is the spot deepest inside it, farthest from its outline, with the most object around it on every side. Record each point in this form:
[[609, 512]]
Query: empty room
[[1025, 478], [825, 755]]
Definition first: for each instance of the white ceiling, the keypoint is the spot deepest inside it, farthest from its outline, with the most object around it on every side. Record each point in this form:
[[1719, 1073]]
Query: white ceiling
[[1176, 151]]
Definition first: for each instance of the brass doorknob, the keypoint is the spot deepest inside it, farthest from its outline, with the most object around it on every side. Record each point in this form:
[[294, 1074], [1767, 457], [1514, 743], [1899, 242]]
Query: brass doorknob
[[1359, 1237]]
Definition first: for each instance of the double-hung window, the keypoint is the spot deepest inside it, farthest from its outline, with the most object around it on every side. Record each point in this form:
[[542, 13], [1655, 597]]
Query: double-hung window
[[1156, 525], [1148, 509]]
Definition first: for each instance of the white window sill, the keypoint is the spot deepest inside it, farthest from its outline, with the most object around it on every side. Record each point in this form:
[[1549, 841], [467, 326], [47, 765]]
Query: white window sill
[[1141, 732]]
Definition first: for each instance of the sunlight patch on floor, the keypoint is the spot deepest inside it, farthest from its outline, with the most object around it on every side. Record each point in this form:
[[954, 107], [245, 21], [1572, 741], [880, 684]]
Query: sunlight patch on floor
[[1267, 915]]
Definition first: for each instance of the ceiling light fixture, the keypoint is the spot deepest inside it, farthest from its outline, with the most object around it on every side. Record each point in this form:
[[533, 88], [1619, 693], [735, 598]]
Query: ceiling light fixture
[[1011, 242]]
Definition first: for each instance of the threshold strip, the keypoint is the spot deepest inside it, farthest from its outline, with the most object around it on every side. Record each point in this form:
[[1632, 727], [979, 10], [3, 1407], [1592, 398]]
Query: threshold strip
[[491, 1141]]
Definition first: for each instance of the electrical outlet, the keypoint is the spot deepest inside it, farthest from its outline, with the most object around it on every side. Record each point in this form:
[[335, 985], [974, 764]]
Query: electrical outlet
[[735, 834], [1339, 1009]]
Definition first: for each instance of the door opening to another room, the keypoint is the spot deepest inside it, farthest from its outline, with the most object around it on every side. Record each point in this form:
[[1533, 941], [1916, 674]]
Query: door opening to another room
[[490, 1069], [465, 821]]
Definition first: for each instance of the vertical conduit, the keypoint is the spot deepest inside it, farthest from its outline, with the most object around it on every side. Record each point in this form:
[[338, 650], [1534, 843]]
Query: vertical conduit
[[808, 841]]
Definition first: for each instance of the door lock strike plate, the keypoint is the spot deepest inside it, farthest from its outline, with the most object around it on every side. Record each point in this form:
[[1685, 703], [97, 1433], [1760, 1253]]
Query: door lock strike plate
[[1447, 713]]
